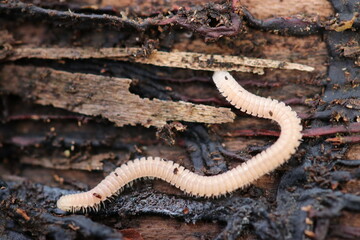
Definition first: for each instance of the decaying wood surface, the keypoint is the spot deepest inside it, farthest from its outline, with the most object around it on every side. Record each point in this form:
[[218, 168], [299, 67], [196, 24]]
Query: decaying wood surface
[[313, 196], [103, 96], [88, 163], [187, 60], [270, 8]]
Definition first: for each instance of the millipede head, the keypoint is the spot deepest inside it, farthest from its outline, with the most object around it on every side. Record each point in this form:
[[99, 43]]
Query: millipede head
[[64, 204], [221, 77]]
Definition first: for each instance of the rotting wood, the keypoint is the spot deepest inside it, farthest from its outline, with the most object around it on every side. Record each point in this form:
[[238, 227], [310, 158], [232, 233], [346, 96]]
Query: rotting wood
[[187, 60], [194, 20], [262, 10], [102, 96], [286, 184], [93, 162]]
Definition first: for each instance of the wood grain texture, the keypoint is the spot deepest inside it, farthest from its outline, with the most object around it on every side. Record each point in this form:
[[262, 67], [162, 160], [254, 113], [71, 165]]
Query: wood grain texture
[[271, 8], [187, 60], [94, 162], [102, 96], [153, 227]]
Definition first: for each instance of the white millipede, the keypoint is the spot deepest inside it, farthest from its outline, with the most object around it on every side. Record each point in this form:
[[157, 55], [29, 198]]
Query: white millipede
[[204, 186]]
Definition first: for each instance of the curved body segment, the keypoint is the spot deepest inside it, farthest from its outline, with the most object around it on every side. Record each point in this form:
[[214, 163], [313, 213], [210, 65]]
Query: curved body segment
[[204, 186]]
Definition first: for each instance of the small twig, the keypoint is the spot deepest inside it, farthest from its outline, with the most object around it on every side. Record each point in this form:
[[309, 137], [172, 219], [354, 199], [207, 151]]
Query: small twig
[[328, 130], [69, 17], [346, 139], [252, 133], [232, 28], [312, 132], [289, 25]]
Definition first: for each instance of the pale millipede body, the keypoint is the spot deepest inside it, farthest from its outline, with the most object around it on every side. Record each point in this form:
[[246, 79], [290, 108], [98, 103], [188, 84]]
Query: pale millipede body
[[192, 183]]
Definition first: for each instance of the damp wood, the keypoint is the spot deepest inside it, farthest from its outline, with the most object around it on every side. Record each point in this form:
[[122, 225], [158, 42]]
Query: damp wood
[[187, 60], [108, 97]]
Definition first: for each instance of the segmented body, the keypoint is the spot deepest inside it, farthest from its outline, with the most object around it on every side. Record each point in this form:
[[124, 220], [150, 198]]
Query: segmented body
[[192, 183]]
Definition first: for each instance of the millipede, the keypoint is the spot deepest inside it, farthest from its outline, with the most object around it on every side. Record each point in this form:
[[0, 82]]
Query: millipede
[[190, 182]]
